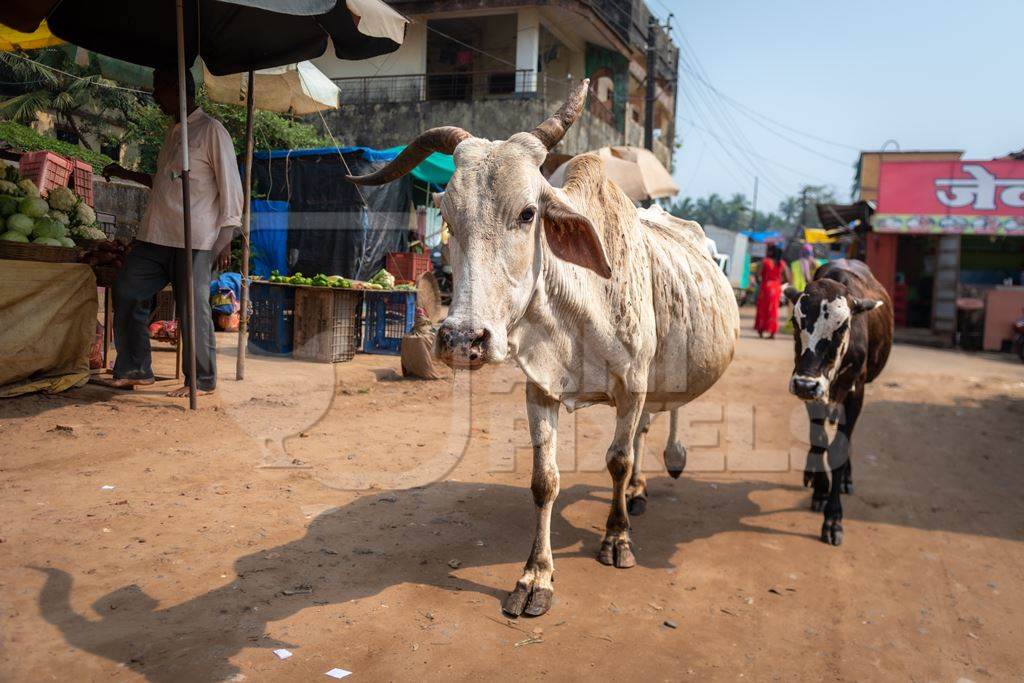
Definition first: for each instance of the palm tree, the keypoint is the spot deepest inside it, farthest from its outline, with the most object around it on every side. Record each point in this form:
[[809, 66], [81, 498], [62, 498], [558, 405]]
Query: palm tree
[[50, 81]]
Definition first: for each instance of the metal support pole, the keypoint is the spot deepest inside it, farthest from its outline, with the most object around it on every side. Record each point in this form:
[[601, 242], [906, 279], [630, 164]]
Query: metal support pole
[[243, 320], [186, 213], [652, 57]]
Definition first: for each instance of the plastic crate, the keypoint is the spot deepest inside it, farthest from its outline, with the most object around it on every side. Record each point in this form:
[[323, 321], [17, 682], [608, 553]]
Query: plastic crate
[[46, 169], [82, 179], [389, 317], [271, 325], [406, 266], [327, 324]]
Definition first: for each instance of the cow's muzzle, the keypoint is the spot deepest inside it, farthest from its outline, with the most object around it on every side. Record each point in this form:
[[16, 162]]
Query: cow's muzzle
[[807, 388], [463, 346]]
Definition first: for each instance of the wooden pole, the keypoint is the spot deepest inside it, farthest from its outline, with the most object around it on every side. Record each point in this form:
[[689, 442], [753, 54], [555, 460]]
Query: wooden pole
[[186, 206], [243, 322]]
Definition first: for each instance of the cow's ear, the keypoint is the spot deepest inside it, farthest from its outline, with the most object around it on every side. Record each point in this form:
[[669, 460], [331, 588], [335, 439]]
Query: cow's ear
[[792, 293], [862, 305], [573, 238], [437, 197]]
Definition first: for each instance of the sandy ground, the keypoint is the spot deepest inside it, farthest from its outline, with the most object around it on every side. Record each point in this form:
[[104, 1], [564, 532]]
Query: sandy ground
[[375, 524]]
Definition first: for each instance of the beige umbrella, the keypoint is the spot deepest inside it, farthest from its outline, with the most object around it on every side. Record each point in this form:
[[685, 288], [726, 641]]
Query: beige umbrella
[[636, 170], [296, 89]]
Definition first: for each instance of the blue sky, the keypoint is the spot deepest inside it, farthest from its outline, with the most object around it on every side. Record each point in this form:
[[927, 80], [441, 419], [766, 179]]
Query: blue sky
[[937, 74]]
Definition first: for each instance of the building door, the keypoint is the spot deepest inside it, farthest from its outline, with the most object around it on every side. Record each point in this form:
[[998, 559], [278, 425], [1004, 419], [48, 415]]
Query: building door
[[947, 279]]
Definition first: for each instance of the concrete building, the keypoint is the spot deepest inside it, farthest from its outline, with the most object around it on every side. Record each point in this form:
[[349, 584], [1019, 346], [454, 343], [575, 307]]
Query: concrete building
[[496, 67]]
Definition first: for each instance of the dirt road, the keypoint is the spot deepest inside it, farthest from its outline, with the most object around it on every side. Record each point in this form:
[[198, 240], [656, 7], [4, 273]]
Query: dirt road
[[374, 524]]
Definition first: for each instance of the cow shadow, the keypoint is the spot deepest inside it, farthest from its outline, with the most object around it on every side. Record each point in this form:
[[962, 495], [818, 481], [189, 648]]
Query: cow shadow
[[367, 546]]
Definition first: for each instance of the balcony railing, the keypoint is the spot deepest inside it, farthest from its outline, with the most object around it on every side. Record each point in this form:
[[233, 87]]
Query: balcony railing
[[461, 86], [450, 86]]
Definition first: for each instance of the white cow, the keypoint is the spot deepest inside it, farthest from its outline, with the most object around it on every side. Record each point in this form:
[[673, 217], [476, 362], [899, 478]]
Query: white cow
[[597, 302]]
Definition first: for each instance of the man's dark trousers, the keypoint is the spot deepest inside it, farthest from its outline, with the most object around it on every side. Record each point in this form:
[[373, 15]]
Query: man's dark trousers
[[147, 270]]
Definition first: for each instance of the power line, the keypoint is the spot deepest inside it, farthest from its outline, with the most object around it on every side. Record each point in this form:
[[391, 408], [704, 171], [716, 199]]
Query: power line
[[769, 160], [699, 110], [90, 80], [749, 112]]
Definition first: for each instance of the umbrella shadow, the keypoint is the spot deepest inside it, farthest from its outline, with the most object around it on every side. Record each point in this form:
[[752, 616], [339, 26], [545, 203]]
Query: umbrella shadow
[[362, 549]]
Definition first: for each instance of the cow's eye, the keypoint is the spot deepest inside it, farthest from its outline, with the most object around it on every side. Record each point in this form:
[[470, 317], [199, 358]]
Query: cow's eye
[[527, 215]]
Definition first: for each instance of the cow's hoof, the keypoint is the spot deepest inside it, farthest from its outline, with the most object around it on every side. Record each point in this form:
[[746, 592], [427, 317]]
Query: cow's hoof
[[524, 600], [847, 487], [636, 505], [818, 504], [617, 553], [675, 460], [832, 533]]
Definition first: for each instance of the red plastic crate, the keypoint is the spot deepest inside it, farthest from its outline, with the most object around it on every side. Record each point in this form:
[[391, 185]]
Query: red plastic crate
[[408, 266], [46, 169], [82, 178]]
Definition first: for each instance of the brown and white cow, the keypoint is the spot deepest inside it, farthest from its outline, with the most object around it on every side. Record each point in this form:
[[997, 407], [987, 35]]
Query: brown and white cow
[[598, 303], [842, 325]]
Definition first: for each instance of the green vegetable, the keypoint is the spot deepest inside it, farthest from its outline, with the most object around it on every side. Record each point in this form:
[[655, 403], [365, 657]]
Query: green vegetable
[[85, 232], [9, 188], [13, 236], [33, 207], [84, 215], [47, 227], [59, 216], [61, 199], [383, 278], [19, 222], [8, 205], [67, 242], [48, 241], [28, 187]]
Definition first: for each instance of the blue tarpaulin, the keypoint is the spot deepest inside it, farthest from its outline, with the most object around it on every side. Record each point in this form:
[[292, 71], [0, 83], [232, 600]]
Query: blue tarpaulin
[[268, 236]]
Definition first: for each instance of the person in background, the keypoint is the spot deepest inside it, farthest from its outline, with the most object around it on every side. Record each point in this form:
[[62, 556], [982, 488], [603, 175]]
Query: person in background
[[806, 266], [772, 273], [158, 254]]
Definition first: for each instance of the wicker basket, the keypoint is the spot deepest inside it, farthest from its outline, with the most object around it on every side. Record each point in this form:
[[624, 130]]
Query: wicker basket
[[20, 251]]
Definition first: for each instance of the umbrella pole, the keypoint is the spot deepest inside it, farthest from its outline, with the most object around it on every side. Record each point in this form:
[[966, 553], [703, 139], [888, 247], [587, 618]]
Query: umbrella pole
[[243, 321], [186, 213]]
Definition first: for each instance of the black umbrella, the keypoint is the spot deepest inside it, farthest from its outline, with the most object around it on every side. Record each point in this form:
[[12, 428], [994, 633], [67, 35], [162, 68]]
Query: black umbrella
[[231, 36]]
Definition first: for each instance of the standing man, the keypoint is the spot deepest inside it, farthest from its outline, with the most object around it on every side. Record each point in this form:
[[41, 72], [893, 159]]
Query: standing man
[[158, 253]]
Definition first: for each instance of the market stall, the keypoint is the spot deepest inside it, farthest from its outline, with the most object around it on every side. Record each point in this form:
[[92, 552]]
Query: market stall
[[947, 241], [52, 256], [232, 37]]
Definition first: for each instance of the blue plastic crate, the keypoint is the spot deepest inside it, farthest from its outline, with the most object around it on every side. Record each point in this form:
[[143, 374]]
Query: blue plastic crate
[[389, 317], [272, 323]]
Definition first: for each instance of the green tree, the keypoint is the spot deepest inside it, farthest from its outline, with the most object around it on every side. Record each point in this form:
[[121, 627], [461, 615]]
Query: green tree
[[79, 97], [270, 131]]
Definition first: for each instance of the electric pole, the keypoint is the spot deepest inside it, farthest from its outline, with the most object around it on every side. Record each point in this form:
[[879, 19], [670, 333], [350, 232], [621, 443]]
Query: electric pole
[[753, 207], [652, 57], [798, 230]]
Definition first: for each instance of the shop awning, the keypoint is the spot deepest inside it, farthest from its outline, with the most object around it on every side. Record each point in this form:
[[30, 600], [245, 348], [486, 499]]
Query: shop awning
[[841, 215], [11, 40]]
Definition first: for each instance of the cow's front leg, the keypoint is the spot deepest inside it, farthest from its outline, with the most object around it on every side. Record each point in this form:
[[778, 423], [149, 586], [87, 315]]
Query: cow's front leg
[[534, 590], [839, 462], [616, 548], [636, 496], [675, 452], [814, 467]]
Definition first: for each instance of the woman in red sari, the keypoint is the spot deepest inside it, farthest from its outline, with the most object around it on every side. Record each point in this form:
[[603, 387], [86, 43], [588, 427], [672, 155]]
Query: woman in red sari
[[770, 276]]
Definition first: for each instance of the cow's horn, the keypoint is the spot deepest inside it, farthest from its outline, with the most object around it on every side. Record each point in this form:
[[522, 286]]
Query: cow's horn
[[552, 130], [443, 139]]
